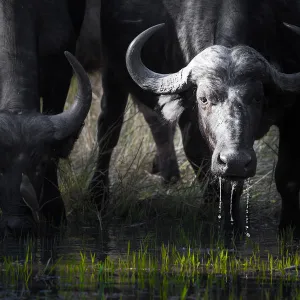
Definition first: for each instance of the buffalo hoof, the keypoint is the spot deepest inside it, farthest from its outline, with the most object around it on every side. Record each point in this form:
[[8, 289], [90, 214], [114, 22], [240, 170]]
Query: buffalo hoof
[[171, 179], [169, 171]]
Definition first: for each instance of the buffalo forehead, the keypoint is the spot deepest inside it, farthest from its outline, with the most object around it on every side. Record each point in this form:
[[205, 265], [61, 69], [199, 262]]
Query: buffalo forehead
[[218, 62], [23, 131]]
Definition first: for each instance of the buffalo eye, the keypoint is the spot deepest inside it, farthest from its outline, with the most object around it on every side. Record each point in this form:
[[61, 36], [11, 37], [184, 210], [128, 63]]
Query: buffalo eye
[[203, 100], [257, 100]]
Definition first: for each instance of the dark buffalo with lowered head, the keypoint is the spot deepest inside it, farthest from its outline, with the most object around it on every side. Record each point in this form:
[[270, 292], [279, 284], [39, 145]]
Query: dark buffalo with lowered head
[[229, 67], [34, 35]]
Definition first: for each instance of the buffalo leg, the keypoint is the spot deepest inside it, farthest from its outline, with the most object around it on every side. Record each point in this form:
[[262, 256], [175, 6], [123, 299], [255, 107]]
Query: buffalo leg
[[287, 174], [110, 121], [53, 207], [165, 160], [54, 97]]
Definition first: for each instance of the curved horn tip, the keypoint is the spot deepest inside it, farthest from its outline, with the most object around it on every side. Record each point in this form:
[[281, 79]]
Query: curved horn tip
[[76, 114], [138, 42], [153, 28], [157, 26], [72, 59], [294, 28], [145, 78], [144, 36], [68, 54]]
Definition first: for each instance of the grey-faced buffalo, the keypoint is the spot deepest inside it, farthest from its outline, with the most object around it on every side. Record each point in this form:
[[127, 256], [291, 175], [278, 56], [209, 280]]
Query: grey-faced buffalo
[[33, 38], [223, 69]]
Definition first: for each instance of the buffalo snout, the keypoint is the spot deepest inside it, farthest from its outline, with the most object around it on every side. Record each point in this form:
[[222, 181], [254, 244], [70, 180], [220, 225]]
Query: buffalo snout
[[235, 163]]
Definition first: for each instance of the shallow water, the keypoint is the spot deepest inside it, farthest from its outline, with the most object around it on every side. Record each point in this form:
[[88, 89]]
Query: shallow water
[[150, 261]]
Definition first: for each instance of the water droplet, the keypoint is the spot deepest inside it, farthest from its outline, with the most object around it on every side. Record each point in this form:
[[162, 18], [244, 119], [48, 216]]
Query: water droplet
[[233, 185], [220, 200], [247, 207]]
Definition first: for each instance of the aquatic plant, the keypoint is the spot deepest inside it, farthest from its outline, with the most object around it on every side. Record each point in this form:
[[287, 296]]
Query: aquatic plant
[[166, 267]]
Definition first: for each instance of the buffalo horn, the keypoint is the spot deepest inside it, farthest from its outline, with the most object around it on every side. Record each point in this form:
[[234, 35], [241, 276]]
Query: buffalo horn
[[149, 80], [71, 120], [180, 81]]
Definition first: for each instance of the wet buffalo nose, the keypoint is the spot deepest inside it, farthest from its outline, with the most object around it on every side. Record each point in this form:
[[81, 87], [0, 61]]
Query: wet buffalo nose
[[236, 163], [240, 158]]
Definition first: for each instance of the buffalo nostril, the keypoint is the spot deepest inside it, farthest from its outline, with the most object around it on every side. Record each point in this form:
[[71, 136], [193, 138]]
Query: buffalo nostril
[[247, 159], [222, 158], [235, 158]]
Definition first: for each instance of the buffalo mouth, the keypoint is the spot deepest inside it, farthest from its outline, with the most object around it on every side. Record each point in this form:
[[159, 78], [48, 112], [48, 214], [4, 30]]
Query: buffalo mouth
[[235, 178]]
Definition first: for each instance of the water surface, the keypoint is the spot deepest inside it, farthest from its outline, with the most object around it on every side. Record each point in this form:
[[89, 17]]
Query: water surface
[[150, 261]]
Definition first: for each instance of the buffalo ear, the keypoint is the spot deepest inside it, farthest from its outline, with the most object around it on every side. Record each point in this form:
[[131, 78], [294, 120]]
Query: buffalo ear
[[63, 148]]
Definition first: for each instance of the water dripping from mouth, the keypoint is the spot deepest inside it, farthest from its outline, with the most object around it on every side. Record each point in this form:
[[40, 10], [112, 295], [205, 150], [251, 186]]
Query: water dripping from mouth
[[247, 208], [220, 200], [233, 186]]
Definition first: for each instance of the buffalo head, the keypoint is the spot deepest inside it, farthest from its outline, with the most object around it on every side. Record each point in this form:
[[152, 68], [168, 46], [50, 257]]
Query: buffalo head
[[229, 98], [28, 141]]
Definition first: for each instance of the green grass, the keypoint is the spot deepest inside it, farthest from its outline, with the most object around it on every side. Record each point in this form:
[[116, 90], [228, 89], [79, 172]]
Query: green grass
[[167, 263]]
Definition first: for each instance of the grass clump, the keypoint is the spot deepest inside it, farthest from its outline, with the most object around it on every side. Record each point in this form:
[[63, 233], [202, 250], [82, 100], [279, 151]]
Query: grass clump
[[155, 269]]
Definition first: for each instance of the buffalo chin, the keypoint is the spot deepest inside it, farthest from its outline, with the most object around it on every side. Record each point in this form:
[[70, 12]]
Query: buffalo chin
[[234, 179]]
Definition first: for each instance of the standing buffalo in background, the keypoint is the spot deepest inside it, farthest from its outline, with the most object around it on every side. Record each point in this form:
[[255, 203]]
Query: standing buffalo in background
[[88, 49], [235, 60], [89, 54], [33, 38]]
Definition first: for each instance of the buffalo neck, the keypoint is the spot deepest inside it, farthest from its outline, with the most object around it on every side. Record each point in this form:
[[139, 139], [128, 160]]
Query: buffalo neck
[[18, 56], [224, 22]]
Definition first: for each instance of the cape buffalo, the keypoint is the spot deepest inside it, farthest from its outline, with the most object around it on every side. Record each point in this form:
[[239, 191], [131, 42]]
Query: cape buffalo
[[223, 69], [33, 38], [89, 54]]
